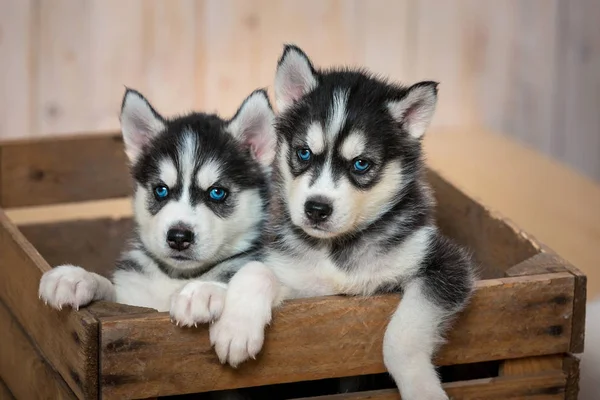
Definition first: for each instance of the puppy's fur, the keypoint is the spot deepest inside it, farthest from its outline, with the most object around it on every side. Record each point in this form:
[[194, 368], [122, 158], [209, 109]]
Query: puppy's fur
[[200, 203], [352, 215]]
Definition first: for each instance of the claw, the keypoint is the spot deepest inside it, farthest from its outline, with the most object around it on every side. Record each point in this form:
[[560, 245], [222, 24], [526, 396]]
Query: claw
[[195, 324], [77, 308], [60, 307]]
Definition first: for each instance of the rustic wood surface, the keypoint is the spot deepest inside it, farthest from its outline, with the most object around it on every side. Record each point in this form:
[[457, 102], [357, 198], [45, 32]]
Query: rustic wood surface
[[63, 170], [497, 243], [93, 244], [531, 365], [73, 348], [520, 316], [5, 393], [571, 368], [27, 374], [548, 386]]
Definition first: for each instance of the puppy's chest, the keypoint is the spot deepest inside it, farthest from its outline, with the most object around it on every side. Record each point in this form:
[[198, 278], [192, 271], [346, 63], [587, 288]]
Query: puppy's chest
[[152, 290], [317, 273]]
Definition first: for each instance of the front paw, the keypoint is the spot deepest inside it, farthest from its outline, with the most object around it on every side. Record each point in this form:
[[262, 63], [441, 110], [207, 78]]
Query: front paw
[[198, 303], [67, 285], [236, 337]]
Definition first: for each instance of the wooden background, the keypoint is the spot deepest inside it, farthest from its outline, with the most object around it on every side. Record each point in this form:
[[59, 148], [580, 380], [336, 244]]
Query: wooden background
[[526, 68]]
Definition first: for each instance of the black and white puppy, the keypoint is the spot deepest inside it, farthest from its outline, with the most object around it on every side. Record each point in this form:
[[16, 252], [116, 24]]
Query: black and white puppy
[[352, 215], [200, 205]]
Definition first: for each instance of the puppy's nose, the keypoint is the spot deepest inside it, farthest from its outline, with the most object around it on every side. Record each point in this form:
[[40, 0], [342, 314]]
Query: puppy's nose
[[317, 211], [180, 238]]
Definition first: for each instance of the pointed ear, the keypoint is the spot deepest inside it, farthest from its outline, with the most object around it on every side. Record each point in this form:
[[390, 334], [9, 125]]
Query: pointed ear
[[139, 123], [415, 110], [253, 125], [294, 78]]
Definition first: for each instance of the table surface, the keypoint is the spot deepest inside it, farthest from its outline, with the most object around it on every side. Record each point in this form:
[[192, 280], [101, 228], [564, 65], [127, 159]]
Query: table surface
[[545, 198]]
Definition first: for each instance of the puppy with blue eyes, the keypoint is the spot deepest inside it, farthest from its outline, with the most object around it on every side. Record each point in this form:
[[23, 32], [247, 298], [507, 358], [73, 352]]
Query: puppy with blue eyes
[[200, 203], [352, 214]]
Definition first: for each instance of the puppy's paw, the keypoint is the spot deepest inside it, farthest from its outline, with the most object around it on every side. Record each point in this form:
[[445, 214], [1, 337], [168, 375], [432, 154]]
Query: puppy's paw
[[237, 336], [67, 285], [198, 303]]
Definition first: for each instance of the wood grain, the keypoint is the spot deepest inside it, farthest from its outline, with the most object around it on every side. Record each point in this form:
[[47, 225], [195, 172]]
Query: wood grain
[[521, 316], [571, 368], [5, 393], [93, 244], [23, 369], [549, 386], [531, 365], [497, 244], [64, 170], [73, 350]]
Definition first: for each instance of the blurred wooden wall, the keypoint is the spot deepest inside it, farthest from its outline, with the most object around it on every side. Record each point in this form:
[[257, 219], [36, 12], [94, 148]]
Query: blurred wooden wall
[[527, 68]]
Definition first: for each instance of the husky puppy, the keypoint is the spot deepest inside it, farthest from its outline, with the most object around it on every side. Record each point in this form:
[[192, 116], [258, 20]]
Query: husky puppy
[[352, 215], [200, 203]]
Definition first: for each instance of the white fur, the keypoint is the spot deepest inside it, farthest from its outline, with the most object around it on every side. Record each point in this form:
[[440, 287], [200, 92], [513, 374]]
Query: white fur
[[338, 114], [168, 172], [198, 302], [293, 79], [209, 174], [353, 146], [409, 342], [253, 125], [590, 360], [138, 124], [239, 333], [315, 138], [68, 285], [415, 110]]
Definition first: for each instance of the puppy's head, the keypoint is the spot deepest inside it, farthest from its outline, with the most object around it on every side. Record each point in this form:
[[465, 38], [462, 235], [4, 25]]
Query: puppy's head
[[200, 181], [348, 143]]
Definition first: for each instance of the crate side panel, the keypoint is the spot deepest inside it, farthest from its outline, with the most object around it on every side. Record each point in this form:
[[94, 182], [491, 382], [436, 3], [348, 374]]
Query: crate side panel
[[332, 337], [73, 348], [496, 243], [50, 171], [22, 368], [548, 386], [94, 244]]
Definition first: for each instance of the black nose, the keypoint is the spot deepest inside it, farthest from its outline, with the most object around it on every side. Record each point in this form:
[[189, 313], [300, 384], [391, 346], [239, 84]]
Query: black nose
[[179, 239], [317, 211]]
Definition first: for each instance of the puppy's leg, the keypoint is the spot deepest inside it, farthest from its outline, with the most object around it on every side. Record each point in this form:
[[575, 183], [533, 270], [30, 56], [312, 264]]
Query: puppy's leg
[[68, 285], [251, 295], [410, 340], [198, 302]]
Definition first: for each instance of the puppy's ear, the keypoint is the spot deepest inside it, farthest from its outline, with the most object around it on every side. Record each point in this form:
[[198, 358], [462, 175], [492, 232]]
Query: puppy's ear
[[294, 78], [139, 123], [253, 125], [415, 110]]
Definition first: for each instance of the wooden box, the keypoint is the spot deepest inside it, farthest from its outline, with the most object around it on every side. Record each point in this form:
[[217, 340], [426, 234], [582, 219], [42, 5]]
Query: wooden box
[[515, 340]]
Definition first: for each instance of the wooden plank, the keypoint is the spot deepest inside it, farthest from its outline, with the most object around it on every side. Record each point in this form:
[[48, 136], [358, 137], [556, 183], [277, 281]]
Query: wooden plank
[[73, 350], [17, 51], [549, 386], [97, 246], [22, 368], [63, 170], [5, 393], [63, 67], [577, 122], [524, 316], [548, 262], [531, 365], [571, 368], [497, 244]]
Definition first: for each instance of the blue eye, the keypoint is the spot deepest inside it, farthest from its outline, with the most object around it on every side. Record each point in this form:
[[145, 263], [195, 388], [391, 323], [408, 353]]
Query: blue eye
[[361, 165], [161, 192], [217, 194], [304, 154]]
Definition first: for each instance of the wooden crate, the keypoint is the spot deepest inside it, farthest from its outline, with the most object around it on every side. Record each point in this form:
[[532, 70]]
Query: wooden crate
[[515, 340]]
